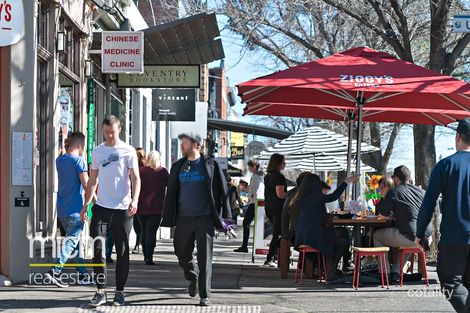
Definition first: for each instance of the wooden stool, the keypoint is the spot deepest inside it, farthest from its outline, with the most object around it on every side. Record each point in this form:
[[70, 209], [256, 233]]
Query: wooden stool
[[378, 252], [421, 261], [306, 249]]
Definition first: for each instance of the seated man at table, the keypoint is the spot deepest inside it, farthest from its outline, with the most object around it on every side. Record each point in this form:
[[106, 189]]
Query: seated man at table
[[402, 203]]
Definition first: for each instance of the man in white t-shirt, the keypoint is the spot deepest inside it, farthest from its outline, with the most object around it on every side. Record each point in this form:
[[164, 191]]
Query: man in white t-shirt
[[114, 166]]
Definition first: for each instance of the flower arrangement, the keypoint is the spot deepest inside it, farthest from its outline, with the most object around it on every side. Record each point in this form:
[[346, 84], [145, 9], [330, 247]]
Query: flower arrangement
[[372, 194]]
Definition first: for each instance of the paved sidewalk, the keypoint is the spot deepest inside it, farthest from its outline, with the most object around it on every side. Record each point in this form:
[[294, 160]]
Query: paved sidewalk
[[238, 286]]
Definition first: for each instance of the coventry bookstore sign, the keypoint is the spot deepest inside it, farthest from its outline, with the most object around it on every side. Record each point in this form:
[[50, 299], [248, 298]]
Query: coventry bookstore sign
[[162, 76]]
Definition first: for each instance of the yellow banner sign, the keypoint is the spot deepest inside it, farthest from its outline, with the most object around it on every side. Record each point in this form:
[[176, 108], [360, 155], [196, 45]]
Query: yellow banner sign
[[237, 139]]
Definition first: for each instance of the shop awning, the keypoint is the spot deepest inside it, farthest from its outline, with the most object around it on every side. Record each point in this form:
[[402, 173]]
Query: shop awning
[[190, 40], [247, 128]]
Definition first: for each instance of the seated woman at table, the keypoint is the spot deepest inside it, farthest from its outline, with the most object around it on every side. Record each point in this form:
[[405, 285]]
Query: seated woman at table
[[313, 228], [289, 213], [386, 186]]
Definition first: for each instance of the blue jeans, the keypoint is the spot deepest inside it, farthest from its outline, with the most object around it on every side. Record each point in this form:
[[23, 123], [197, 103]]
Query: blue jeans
[[73, 227]]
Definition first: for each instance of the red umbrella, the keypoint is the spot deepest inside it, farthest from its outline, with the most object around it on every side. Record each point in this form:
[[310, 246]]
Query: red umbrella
[[359, 84], [393, 90]]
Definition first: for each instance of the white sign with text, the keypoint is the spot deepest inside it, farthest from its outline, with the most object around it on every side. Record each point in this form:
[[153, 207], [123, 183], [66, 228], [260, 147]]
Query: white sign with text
[[11, 22], [122, 52]]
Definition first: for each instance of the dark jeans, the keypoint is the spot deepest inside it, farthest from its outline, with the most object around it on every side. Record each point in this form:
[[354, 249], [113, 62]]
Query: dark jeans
[[340, 248], [247, 219], [138, 231], [453, 268], [276, 239], [149, 226], [201, 230], [120, 225], [109, 244]]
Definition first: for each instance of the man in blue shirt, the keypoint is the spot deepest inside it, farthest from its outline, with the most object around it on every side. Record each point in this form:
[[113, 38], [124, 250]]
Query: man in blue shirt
[[72, 179], [195, 204], [451, 179]]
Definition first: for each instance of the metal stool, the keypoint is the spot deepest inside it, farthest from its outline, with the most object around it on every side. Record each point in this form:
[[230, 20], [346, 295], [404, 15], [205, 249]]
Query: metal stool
[[378, 252], [421, 261], [306, 249]]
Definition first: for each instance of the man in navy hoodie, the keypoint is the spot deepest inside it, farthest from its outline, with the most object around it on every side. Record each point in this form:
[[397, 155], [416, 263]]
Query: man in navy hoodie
[[451, 178]]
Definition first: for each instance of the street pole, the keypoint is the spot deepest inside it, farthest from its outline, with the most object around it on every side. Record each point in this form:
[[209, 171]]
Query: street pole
[[349, 155], [360, 104]]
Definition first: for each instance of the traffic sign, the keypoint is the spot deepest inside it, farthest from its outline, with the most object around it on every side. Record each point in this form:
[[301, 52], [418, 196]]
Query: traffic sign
[[461, 23]]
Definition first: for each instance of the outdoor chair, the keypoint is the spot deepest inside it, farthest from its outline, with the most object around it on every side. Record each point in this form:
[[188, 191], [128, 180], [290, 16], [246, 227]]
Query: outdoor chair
[[380, 253], [421, 261], [303, 249]]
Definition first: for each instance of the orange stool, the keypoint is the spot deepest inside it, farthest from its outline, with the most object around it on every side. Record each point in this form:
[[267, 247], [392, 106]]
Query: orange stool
[[378, 252], [303, 249], [421, 261]]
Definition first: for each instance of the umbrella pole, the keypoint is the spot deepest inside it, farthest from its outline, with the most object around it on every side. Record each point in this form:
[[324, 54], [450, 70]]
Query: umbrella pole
[[360, 104], [314, 164], [349, 155]]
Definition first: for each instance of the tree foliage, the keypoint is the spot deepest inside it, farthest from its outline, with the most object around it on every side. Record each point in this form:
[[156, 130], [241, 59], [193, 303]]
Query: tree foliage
[[289, 32]]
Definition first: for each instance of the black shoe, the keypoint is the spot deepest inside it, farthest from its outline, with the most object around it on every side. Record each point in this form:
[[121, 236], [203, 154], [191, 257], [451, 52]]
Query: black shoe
[[55, 279], [348, 268], [335, 278], [205, 302], [136, 250], [412, 277], [119, 298], [98, 299], [241, 249], [149, 262], [109, 260], [192, 288]]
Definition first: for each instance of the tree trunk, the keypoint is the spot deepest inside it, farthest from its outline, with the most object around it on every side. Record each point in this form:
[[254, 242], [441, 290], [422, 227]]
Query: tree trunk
[[424, 153]]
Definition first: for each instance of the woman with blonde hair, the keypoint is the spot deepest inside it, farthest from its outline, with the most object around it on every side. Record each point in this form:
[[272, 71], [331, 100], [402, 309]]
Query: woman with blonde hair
[[152, 196]]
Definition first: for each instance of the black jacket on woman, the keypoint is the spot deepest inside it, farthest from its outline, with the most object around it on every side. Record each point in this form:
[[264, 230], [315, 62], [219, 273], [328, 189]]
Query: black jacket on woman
[[311, 227]]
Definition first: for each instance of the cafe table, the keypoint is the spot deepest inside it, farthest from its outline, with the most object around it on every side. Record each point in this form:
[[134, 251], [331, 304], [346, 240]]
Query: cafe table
[[356, 222]]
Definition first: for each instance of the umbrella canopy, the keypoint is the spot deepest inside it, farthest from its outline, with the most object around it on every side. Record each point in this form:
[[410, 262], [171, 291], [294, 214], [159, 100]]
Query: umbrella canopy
[[386, 88], [318, 163], [312, 140]]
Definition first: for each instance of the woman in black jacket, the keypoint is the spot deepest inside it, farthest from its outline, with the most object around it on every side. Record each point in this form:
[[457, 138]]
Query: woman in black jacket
[[312, 227], [275, 193]]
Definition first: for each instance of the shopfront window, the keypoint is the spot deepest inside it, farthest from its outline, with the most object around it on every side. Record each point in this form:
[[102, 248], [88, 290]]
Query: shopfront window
[[43, 25]]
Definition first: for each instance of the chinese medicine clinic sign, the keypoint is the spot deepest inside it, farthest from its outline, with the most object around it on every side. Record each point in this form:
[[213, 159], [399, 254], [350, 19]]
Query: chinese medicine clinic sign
[[11, 22], [122, 52]]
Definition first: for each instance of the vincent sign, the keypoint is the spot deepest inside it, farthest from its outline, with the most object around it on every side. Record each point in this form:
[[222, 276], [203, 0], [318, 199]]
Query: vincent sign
[[11, 22]]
